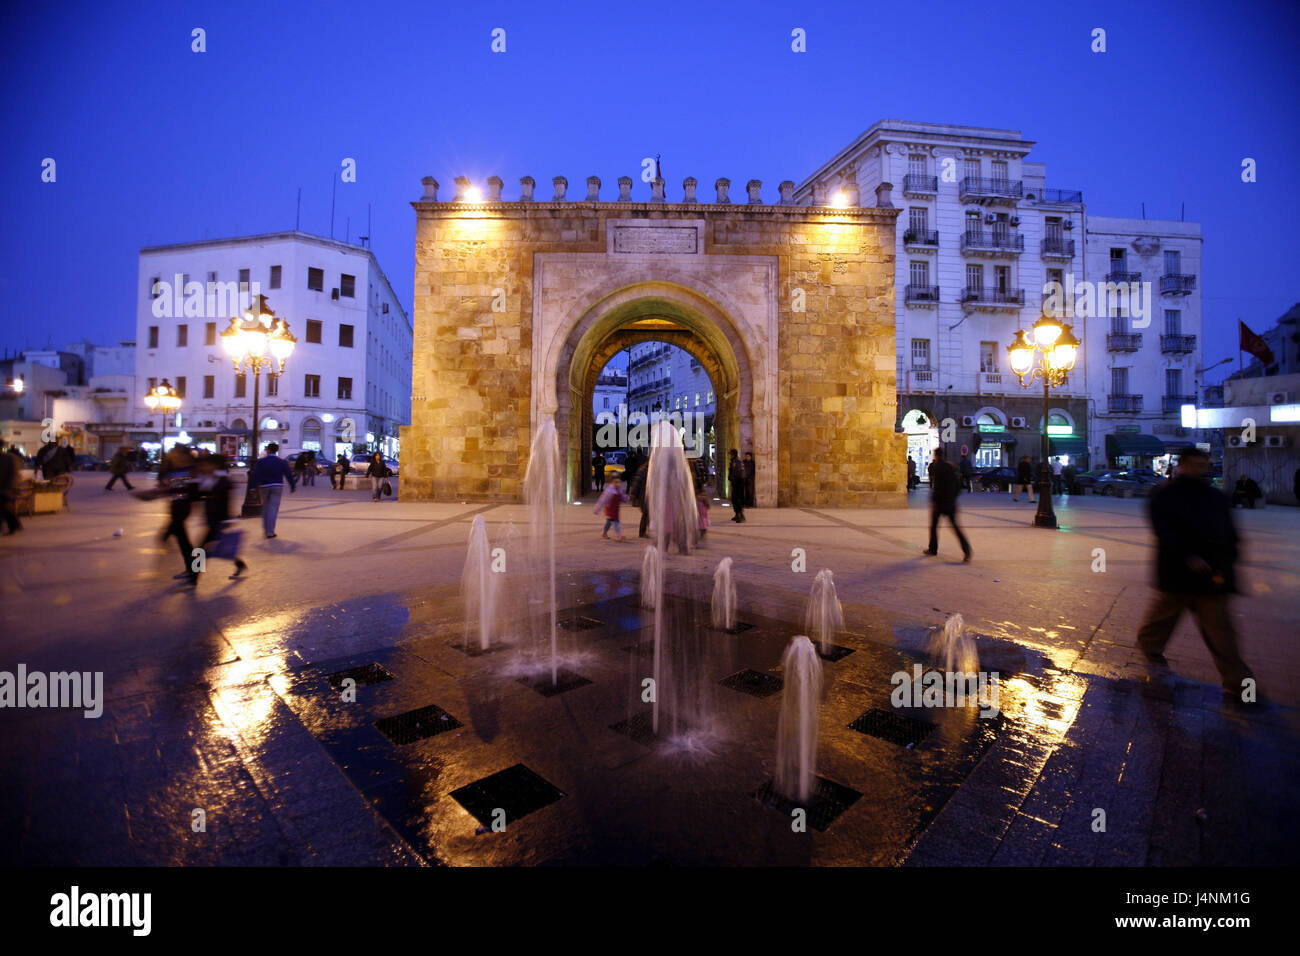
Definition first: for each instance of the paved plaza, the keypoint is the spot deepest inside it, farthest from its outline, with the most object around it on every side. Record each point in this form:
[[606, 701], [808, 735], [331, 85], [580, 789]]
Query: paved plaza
[[220, 700]]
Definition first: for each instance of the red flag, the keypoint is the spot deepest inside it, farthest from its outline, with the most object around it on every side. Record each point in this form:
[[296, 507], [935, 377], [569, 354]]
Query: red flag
[[1252, 343]]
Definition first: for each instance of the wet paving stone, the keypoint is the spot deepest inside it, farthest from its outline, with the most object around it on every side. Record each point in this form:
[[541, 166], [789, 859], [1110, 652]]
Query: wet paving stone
[[580, 624], [895, 728], [740, 627], [516, 790], [363, 676], [639, 727], [417, 724], [752, 682], [564, 682], [833, 652], [829, 800], [473, 649]]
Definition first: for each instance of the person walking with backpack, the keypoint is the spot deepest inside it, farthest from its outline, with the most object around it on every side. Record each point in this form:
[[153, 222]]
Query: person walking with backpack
[[378, 472], [268, 476], [945, 486]]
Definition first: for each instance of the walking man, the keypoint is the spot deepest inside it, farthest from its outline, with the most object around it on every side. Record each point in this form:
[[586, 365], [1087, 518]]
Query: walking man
[[1024, 479], [736, 475], [269, 475], [965, 470], [118, 468], [1196, 556], [945, 486]]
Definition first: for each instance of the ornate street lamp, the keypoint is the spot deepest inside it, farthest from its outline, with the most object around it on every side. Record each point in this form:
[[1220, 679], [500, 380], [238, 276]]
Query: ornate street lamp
[[163, 396], [1053, 343], [257, 342]]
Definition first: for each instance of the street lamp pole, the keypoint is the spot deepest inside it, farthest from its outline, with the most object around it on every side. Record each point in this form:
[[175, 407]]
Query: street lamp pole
[[1053, 344], [1045, 517]]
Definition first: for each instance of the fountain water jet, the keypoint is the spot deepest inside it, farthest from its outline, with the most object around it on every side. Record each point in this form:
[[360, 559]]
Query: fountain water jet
[[797, 727], [953, 648], [478, 584], [824, 616], [724, 596], [670, 491], [651, 571], [544, 491]]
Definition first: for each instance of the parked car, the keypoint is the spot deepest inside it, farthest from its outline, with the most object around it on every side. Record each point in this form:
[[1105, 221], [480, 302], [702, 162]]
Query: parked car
[[1113, 481], [993, 479], [361, 462], [88, 463]]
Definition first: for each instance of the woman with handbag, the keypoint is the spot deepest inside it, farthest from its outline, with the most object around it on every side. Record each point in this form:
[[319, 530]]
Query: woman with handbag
[[378, 473]]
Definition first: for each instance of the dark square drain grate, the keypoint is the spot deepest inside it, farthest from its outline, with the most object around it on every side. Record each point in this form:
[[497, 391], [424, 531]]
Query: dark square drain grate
[[516, 790], [833, 652], [829, 800], [363, 675], [738, 628], [581, 623], [896, 728], [415, 725], [639, 727], [565, 681], [752, 682]]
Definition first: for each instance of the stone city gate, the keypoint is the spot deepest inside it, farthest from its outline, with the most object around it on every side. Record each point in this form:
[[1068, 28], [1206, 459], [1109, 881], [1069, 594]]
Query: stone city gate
[[790, 310]]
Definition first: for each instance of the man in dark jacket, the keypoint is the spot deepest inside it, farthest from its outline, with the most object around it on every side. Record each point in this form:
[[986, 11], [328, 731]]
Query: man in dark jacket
[[214, 487], [965, 469], [1196, 556], [751, 476], [118, 468], [11, 468], [598, 471], [268, 476], [736, 475], [637, 492], [1024, 479], [945, 486], [341, 469]]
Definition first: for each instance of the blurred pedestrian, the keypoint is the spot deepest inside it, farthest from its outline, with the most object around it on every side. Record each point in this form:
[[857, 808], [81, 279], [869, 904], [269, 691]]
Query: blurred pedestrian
[[736, 475], [214, 489], [751, 474], [118, 468], [378, 472], [1196, 557], [965, 470], [1246, 492], [1058, 482], [11, 469], [945, 486], [268, 476], [912, 480], [1024, 479], [1068, 474], [611, 498], [639, 496], [598, 471]]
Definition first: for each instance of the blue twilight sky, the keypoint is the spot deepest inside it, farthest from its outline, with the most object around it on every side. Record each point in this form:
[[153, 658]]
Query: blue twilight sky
[[157, 144]]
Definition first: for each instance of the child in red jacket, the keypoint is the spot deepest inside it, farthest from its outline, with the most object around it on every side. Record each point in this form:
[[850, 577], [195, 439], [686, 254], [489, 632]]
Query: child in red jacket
[[608, 505]]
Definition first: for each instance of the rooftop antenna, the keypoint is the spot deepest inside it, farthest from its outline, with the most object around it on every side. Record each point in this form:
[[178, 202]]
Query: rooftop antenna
[[1144, 210], [334, 186], [1182, 212], [347, 235], [297, 215]]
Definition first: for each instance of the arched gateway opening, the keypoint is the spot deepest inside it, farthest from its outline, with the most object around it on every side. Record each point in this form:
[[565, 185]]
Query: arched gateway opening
[[675, 316], [519, 305]]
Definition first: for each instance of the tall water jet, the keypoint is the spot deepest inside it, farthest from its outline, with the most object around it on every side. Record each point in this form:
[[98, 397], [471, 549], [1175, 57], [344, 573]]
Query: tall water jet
[[954, 649], [544, 491], [670, 491], [478, 584], [797, 727], [824, 617], [724, 596], [651, 571]]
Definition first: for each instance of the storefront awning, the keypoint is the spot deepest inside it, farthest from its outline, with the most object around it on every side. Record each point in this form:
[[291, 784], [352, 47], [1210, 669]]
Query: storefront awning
[[1146, 446], [1071, 445]]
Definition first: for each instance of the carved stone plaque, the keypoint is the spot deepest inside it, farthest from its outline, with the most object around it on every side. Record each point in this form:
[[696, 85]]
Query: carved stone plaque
[[667, 240]]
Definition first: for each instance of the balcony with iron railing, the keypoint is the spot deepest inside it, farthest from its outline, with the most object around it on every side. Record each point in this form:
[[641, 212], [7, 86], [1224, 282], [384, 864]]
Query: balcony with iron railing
[[916, 184], [1172, 283], [1178, 343], [1062, 195], [1175, 403], [1057, 247], [921, 295], [992, 240], [1116, 275], [1124, 403], [990, 190], [991, 298], [1123, 341], [921, 239]]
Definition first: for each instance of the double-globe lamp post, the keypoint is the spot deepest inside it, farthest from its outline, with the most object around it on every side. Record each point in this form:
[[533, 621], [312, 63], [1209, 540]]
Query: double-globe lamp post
[[162, 396], [257, 342], [1056, 349]]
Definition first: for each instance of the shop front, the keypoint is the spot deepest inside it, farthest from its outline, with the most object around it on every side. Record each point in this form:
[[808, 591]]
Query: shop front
[[1134, 450]]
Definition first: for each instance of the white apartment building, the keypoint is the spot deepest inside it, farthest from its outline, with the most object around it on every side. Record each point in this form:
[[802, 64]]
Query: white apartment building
[[348, 381], [979, 242], [1145, 367], [609, 397], [664, 379], [979, 236]]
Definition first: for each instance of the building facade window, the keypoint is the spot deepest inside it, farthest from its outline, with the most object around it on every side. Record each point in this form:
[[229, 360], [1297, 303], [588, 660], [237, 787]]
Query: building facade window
[[210, 333], [921, 355], [347, 286], [311, 386], [182, 336], [244, 278], [916, 164], [345, 336], [971, 168], [345, 389], [153, 336], [180, 386], [918, 273], [313, 331], [272, 385], [275, 277], [241, 385], [1119, 381], [918, 219], [988, 357], [209, 386], [1173, 381], [316, 279], [1173, 322], [1173, 262]]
